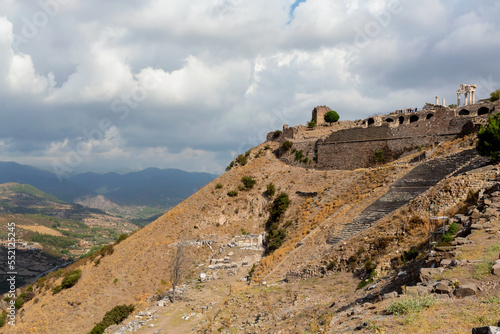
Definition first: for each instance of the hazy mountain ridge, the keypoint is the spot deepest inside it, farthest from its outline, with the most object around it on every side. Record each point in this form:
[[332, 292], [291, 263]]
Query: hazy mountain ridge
[[150, 187], [153, 187]]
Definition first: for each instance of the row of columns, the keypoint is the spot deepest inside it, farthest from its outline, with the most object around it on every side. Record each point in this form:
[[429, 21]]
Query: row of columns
[[469, 92]]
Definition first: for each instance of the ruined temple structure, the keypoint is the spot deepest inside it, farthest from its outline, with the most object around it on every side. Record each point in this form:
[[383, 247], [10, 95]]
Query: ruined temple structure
[[469, 92], [350, 145]]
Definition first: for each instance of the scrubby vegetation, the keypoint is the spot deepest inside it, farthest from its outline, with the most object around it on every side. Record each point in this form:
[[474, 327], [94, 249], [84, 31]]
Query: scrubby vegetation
[[242, 159], [3, 319], [113, 317], [271, 190], [410, 305], [311, 124], [495, 96], [70, 279], [287, 145], [248, 182], [122, 237], [232, 193], [489, 139], [276, 235]]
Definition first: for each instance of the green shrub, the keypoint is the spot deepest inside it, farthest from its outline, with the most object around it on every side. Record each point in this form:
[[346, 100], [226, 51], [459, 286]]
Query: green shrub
[[231, 165], [68, 281], [311, 124], [489, 138], [299, 155], [242, 159], [113, 317], [378, 156], [122, 237], [453, 228], [247, 153], [19, 302], [3, 319], [495, 96], [56, 289], [364, 283], [410, 305], [252, 270], [248, 182], [275, 238], [219, 186], [232, 193], [410, 255], [107, 250], [331, 117], [275, 235], [271, 190], [277, 133], [287, 145], [280, 204]]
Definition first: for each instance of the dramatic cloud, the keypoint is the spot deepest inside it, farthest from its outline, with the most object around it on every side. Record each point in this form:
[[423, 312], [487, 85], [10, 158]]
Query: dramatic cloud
[[103, 85]]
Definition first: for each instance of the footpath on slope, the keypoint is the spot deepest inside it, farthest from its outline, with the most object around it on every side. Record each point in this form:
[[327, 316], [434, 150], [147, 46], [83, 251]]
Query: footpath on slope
[[417, 181], [403, 190]]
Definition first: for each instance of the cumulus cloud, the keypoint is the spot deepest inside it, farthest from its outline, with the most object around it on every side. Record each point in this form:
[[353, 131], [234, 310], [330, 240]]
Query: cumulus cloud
[[189, 84]]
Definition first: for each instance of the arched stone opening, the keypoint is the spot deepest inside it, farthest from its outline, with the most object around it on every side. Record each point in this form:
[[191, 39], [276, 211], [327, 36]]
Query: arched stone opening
[[429, 116], [483, 111], [401, 119], [389, 120], [371, 121], [413, 118], [464, 112]]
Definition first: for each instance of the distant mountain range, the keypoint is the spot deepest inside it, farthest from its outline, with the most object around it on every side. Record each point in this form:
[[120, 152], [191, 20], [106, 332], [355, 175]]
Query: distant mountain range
[[150, 187]]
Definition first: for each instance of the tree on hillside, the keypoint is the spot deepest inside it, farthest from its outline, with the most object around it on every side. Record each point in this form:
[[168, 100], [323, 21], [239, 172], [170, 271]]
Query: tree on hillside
[[495, 96], [179, 265], [331, 117], [378, 156], [489, 138]]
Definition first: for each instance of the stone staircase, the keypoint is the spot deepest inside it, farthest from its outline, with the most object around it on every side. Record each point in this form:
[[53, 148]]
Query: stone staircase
[[418, 180]]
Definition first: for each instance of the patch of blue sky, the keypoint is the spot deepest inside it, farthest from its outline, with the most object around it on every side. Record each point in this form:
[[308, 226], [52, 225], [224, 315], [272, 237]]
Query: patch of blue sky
[[292, 9]]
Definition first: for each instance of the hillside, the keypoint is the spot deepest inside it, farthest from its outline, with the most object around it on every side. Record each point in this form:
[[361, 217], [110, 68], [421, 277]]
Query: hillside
[[321, 273], [50, 232]]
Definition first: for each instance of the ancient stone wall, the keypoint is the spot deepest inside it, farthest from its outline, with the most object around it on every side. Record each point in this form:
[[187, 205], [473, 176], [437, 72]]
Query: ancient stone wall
[[393, 134]]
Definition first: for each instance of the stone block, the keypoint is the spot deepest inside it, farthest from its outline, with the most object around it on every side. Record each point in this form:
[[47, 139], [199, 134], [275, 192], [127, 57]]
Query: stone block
[[486, 330], [496, 270], [446, 262], [427, 273], [390, 295], [477, 227], [418, 290], [442, 287], [466, 290]]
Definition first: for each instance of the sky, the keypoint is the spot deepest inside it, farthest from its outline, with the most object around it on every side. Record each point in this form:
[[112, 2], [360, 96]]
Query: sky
[[131, 84]]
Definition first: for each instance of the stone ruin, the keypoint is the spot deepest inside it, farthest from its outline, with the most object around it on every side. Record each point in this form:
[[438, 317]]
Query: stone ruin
[[249, 241], [395, 134], [318, 114], [469, 92]]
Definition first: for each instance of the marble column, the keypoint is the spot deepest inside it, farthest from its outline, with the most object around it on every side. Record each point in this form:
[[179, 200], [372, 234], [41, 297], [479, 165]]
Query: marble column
[[437, 100], [444, 102], [458, 99]]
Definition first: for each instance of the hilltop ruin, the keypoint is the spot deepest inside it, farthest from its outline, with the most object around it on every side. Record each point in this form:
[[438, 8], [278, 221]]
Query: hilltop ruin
[[350, 145]]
